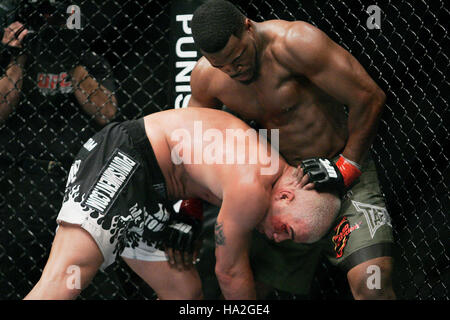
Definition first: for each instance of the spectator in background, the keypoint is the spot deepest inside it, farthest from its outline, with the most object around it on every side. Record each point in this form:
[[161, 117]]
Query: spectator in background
[[53, 96]]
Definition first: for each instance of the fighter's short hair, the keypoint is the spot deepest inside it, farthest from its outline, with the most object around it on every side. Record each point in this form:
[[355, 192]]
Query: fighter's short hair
[[213, 23]]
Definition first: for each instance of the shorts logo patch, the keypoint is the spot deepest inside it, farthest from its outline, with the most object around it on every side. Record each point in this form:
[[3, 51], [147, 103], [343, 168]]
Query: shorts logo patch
[[375, 216], [73, 172], [113, 178], [342, 235], [156, 221], [90, 144]]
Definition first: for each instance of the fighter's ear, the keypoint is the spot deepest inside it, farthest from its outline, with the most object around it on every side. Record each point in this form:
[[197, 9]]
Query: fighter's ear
[[286, 195], [248, 25]]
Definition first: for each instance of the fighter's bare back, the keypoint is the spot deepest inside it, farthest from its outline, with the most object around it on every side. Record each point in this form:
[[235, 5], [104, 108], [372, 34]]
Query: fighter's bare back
[[203, 180]]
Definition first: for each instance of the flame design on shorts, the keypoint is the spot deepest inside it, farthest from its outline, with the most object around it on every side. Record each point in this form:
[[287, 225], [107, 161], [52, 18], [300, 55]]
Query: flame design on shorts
[[73, 200]]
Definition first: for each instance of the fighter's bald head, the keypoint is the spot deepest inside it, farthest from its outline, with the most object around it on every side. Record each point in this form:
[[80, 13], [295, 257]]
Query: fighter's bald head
[[299, 214]]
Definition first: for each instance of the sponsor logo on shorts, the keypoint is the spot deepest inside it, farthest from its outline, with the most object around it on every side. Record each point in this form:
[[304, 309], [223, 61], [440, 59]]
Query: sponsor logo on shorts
[[156, 221], [90, 144], [73, 172], [143, 224], [375, 216], [340, 239], [113, 178]]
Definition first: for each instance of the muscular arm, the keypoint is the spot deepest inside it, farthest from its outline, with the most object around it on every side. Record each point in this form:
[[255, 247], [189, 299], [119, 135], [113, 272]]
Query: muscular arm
[[201, 95], [94, 98], [11, 82], [310, 52], [237, 218], [10, 87]]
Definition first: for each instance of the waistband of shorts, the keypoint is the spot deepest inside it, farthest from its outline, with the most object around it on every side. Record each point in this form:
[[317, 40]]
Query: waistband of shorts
[[136, 130], [384, 249]]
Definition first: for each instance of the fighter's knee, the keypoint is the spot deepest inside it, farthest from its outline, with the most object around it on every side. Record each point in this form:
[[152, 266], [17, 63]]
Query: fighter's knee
[[181, 287], [196, 293], [363, 291], [54, 287], [372, 280], [182, 293], [191, 291]]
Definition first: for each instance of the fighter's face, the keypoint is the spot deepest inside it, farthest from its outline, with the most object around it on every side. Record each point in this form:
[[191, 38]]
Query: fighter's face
[[279, 225], [238, 59]]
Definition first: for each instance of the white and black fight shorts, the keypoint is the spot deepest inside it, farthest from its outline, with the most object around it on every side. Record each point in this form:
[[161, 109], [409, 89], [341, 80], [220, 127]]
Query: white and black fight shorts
[[115, 191]]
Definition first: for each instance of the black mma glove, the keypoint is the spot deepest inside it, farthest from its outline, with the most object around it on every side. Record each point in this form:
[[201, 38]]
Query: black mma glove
[[327, 175], [182, 233]]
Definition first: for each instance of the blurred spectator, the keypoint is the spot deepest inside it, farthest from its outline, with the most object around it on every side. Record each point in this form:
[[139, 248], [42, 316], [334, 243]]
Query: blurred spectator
[[54, 95]]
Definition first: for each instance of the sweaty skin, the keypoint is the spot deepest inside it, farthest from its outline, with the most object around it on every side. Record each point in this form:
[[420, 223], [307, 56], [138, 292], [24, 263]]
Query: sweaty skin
[[208, 181], [240, 189], [291, 76]]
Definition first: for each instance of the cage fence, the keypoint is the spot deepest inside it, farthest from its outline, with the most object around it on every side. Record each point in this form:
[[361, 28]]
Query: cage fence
[[127, 47]]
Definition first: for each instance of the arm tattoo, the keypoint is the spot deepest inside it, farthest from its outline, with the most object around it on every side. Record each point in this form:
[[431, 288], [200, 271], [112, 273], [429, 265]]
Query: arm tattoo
[[218, 234]]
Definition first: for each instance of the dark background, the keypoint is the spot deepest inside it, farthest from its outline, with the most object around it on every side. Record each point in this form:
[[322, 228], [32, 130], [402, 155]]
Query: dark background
[[407, 57]]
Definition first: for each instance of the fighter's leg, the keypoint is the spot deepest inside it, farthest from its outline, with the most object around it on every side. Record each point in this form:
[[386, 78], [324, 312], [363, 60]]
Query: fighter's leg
[[361, 240], [168, 283], [73, 250], [372, 279]]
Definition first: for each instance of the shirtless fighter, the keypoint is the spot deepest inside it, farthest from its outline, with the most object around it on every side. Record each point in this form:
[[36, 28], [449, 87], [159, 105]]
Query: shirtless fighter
[[123, 175], [292, 76]]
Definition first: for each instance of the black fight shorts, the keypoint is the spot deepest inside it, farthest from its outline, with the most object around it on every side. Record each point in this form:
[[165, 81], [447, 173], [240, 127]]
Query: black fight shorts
[[115, 191]]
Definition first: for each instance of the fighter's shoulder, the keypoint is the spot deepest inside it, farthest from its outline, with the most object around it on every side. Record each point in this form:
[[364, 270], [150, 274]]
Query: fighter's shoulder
[[298, 39], [204, 71], [300, 31], [204, 74]]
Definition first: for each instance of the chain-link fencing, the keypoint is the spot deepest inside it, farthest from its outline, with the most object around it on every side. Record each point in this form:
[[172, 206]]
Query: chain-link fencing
[[123, 63]]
